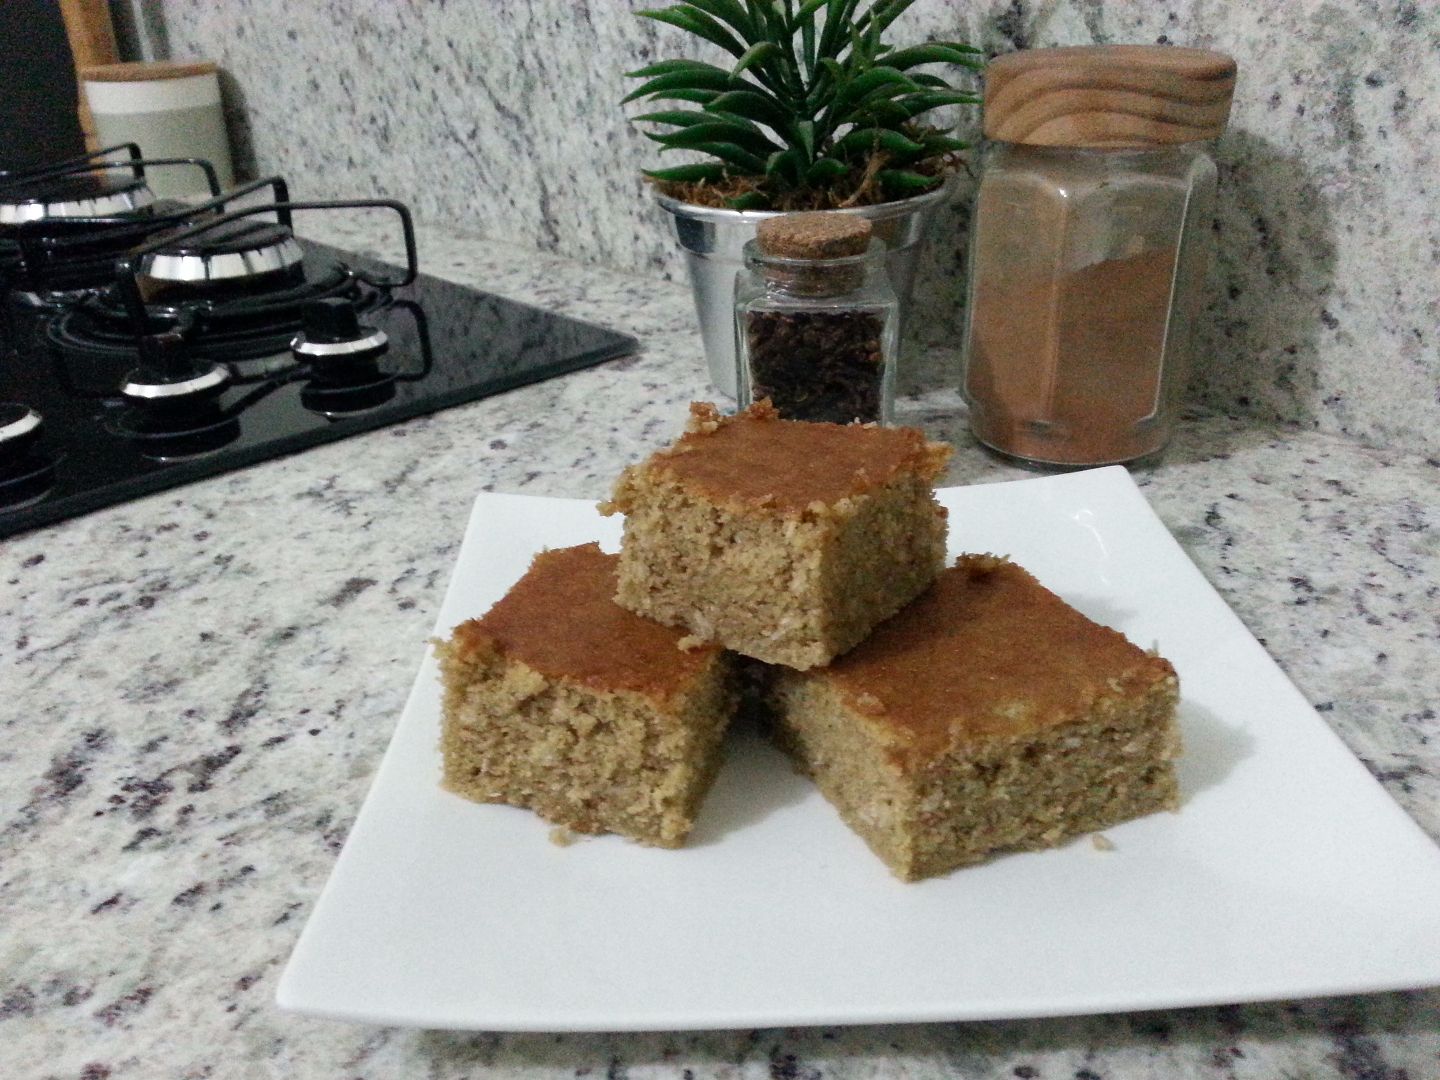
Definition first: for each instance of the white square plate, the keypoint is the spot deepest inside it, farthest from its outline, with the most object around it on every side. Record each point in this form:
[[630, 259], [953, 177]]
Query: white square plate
[[1287, 873]]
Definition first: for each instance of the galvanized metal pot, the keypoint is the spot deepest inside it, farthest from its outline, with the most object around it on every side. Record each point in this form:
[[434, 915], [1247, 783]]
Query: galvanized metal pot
[[714, 239]]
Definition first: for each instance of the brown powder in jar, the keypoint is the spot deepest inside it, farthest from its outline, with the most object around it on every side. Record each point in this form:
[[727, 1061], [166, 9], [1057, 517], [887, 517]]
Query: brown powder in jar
[[1067, 369]]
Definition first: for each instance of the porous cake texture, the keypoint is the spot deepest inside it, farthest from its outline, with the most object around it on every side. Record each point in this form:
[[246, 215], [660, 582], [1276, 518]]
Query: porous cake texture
[[987, 716], [596, 719], [785, 541]]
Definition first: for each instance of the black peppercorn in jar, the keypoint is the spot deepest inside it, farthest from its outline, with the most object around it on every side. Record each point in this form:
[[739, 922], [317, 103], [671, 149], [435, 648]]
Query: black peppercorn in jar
[[815, 320]]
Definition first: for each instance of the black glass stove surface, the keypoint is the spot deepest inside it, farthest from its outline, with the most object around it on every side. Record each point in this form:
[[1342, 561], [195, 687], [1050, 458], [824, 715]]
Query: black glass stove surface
[[447, 344]]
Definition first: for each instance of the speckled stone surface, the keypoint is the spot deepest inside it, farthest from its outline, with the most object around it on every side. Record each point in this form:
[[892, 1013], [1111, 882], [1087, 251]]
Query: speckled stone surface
[[1325, 302], [198, 686]]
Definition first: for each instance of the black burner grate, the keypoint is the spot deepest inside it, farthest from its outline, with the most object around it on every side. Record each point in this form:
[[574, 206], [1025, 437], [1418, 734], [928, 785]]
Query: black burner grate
[[99, 330]]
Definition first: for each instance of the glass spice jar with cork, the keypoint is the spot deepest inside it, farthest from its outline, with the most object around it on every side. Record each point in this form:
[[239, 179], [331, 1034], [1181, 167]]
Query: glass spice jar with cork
[[815, 320], [1089, 248]]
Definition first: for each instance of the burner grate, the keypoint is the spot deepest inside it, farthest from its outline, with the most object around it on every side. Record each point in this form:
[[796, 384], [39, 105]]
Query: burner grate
[[98, 329], [62, 226]]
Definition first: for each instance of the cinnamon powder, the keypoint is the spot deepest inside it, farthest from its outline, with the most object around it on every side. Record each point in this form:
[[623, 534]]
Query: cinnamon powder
[[1066, 369]]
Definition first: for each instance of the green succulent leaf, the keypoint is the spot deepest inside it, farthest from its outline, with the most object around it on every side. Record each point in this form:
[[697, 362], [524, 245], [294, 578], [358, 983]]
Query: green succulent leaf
[[882, 112], [707, 78], [699, 97], [753, 105], [729, 153], [770, 20], [716, 131], [786, 164], [923, 78], [729, 11], [689, 174], [825, 170], [805, 132], [742, 128], [756, 54], [733, 119], [859, 54], [878, 19], [837, 15], [692, 20], [959, 46], [805, 19], [932, 54], [902, 182], [674, 117], [751, 200], [892, 142], [668, 67], [915, 104], [875, 80]]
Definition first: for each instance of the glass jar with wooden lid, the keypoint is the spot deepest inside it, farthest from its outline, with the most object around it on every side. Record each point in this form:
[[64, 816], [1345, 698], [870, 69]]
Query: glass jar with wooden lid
[[1089, 247]]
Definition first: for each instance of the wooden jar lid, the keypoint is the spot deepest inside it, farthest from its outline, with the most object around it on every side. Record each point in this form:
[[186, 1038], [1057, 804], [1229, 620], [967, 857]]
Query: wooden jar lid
[[1113, 96], [814, 235], [145, 70]]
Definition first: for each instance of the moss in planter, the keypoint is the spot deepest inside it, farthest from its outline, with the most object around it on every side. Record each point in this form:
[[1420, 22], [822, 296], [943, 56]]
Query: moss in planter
[[725, 193]]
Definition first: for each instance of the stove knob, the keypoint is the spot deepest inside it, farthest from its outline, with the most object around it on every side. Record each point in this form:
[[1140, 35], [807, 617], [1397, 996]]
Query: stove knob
[[330, 321], [332, 331], [168, 375], [165, 353], [20, 428]]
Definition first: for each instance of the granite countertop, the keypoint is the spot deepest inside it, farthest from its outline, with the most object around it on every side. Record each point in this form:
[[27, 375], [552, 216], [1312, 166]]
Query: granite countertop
[[198, 686]]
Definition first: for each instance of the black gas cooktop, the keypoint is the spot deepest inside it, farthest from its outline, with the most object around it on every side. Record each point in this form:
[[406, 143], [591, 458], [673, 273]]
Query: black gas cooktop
[[241, 344]]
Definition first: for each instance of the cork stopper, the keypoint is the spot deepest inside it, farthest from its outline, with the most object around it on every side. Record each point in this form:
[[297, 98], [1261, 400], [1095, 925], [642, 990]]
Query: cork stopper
[[814, 236], [814, 254], [1108, 96]]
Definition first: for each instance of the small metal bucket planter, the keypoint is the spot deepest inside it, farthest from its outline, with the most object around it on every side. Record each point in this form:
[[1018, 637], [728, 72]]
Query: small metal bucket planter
[[713, 240]]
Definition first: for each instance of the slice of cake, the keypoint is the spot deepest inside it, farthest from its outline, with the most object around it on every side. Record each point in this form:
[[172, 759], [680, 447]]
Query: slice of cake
[[782, 540], [560, 701], [987, 716]]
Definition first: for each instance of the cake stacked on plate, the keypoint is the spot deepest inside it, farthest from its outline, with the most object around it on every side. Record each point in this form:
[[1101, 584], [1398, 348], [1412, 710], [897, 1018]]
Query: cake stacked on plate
[[947, 712]]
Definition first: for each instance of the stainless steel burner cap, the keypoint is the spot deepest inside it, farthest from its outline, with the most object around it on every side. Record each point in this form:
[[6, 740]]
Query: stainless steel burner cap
[[194, 266], [109, 204]]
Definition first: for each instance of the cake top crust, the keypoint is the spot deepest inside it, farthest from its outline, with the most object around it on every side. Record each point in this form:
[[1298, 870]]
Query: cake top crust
[[986, 651], [561, 620], [755, 459]]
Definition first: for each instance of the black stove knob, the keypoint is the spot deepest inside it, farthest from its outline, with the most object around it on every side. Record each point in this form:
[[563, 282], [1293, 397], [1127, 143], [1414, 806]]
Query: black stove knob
[[331, 321], [333, 337], [166, 355], [20, 428], [169, 375]]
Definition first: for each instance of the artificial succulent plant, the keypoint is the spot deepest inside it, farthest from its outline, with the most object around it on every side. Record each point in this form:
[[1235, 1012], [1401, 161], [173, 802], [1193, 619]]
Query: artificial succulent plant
[[817, 111]]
